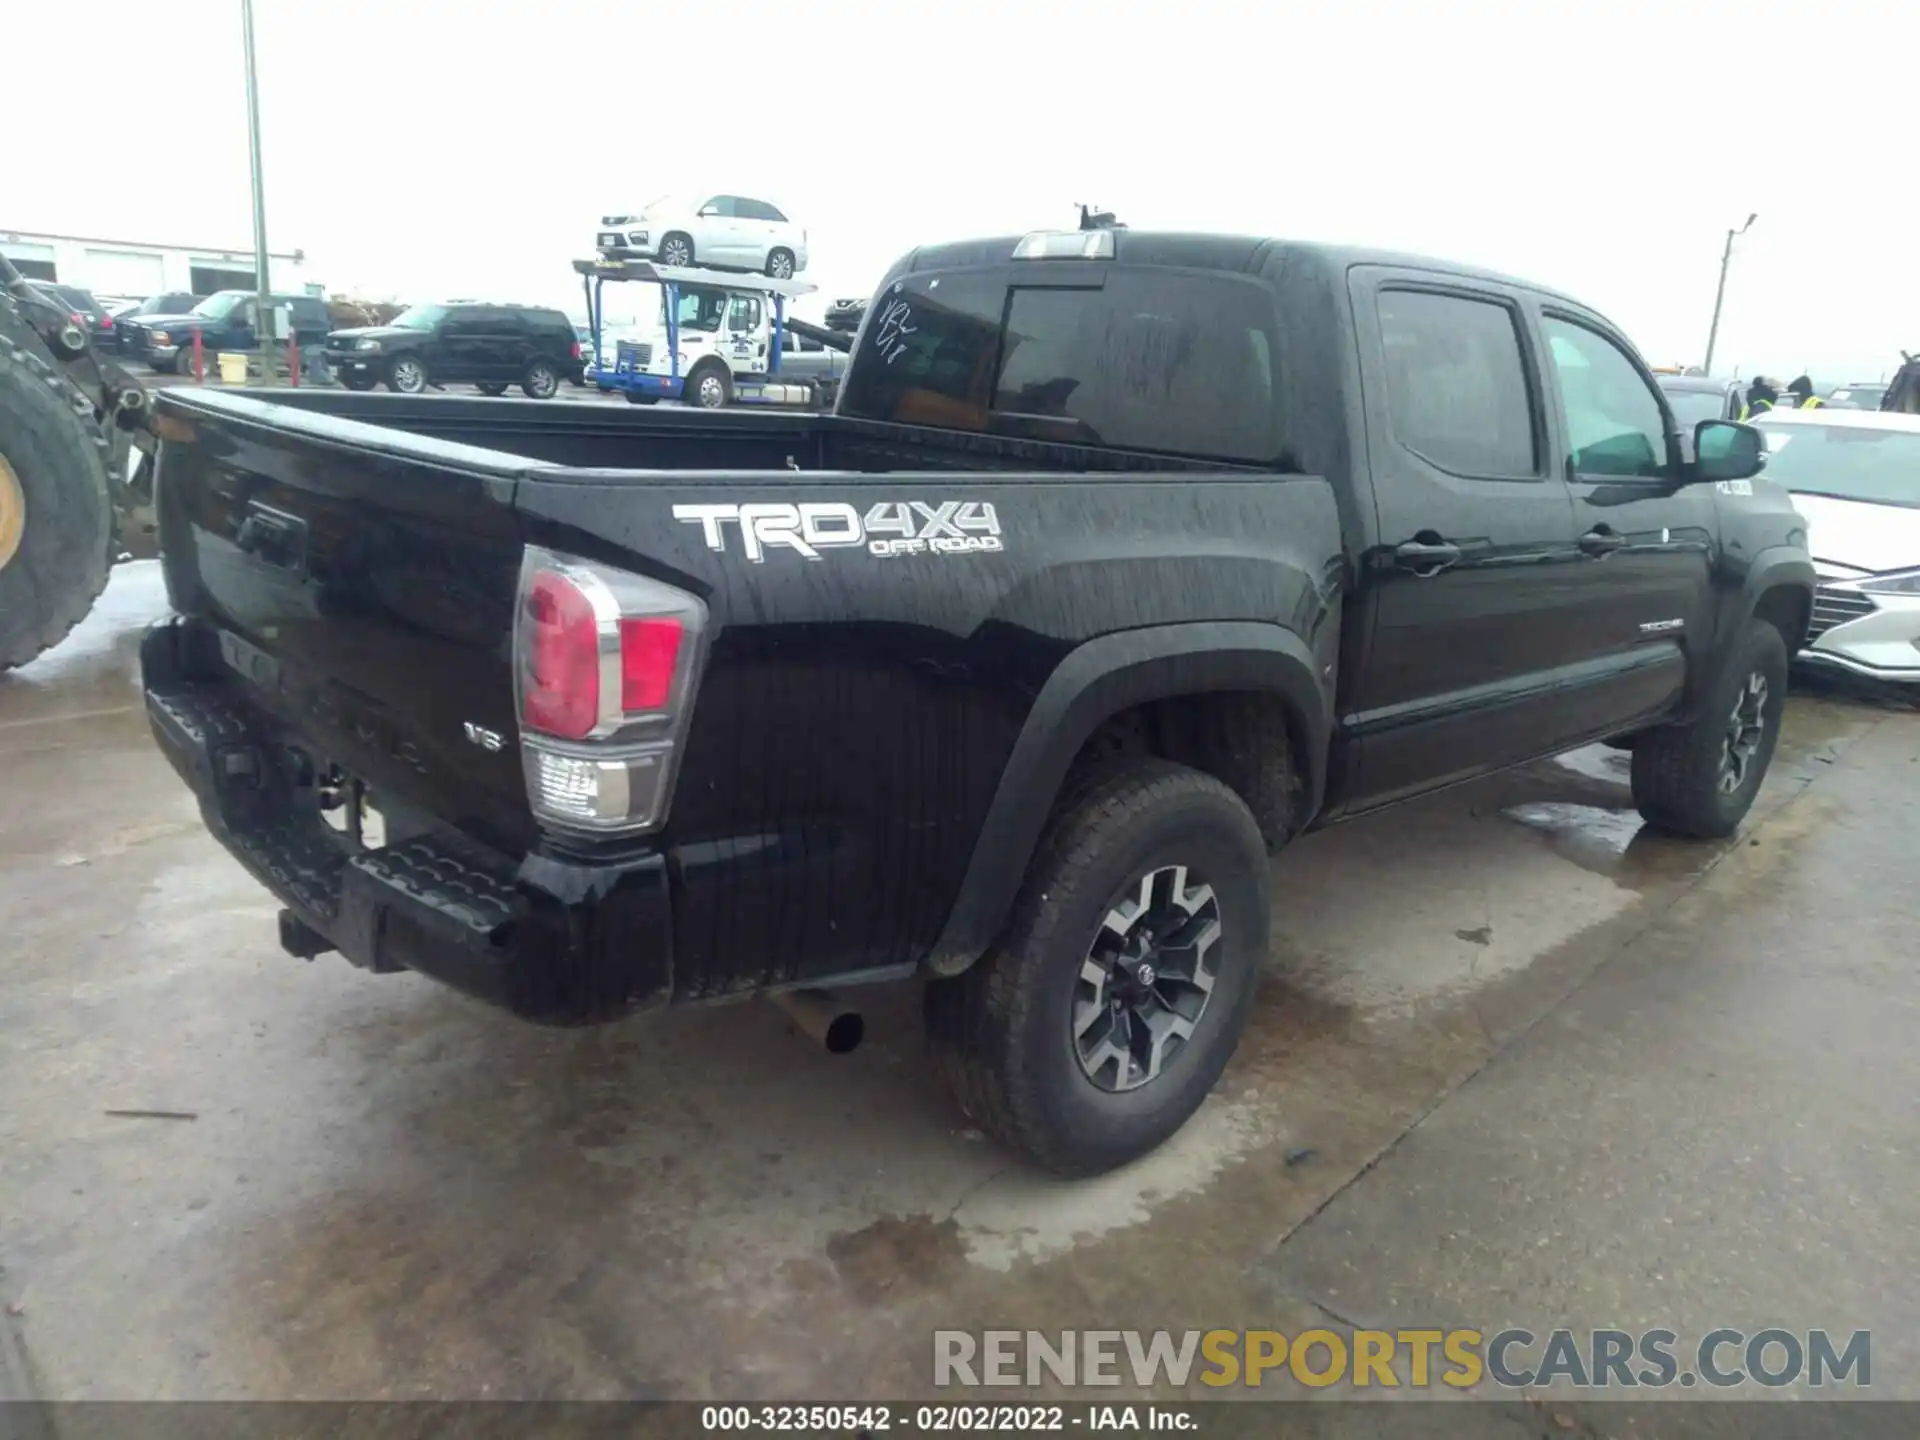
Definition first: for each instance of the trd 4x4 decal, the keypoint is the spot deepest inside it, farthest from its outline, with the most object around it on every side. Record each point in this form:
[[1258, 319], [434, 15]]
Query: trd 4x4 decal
[[892, 527]]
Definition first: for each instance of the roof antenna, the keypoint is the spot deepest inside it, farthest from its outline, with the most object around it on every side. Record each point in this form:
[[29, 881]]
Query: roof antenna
[[1092, 219]]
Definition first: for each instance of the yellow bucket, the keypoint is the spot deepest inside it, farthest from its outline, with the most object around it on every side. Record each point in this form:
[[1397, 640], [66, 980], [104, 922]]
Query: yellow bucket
[[233, 369]]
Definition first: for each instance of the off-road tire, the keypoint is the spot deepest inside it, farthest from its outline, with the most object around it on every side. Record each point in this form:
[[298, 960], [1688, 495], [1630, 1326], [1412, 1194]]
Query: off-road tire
[[59, 455], [1000, 1032], [691, 393], [1677, 768]]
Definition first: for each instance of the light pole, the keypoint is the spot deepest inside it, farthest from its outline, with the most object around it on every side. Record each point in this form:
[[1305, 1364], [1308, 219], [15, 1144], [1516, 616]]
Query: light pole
[[1719, 295], [262, 279]]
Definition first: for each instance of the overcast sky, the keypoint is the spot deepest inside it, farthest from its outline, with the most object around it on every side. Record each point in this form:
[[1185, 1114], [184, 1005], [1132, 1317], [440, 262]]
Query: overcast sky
[[418, 148]]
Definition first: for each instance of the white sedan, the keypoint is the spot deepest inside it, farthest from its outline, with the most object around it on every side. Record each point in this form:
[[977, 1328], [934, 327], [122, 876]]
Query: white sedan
[[719, 232], [1855, 477]]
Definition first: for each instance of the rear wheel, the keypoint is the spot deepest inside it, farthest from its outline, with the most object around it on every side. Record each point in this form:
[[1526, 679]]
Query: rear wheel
[[634, 397], [56, 518], [541, 382], [1701, 779], [490, 387], [780, 263], [710, 386], [406, 375], [1117, 992], [676, 249]]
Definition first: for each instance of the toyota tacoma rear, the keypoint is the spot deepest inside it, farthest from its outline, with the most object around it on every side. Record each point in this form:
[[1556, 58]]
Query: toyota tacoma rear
[[1119, 564]]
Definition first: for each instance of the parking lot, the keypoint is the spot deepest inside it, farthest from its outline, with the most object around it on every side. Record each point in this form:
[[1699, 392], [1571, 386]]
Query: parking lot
[[1515, 1061]]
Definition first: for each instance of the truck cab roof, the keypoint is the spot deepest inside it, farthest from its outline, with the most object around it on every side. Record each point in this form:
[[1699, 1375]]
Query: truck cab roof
[[1199, 250]]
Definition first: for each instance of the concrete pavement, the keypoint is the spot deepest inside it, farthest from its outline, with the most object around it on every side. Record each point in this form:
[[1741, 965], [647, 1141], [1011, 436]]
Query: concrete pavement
[[1516, 1059]]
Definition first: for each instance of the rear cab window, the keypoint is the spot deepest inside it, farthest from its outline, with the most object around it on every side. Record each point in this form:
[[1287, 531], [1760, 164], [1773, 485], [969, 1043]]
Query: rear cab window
[[1457, 391], [1137, 357]]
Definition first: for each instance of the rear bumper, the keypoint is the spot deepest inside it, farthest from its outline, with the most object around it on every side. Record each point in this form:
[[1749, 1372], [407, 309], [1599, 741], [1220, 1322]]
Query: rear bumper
[[554, 940]]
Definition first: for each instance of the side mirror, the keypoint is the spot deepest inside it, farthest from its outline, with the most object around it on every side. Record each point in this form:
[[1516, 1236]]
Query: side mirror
[[1727, 450]]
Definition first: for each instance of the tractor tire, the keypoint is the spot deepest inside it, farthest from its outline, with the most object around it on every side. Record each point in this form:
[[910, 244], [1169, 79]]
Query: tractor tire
[[56, 511]]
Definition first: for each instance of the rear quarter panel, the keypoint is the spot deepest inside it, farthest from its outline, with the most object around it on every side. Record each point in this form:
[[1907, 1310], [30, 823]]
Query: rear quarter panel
[[858, 711]]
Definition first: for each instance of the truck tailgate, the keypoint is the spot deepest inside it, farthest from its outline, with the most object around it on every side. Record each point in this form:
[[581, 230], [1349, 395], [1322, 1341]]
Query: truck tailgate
[[362, 582]]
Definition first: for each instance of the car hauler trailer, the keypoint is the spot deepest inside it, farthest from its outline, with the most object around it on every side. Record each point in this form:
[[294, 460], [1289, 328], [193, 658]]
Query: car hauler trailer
[[718, 340]]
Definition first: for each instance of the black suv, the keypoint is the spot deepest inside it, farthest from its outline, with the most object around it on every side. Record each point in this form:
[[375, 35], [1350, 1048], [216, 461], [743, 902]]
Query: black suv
[[487, 346]]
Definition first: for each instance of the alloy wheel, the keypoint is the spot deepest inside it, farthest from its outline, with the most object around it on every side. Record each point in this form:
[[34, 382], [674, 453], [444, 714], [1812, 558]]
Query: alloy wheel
[[408, 377], [676, 252], [1147, 979], [1746, 726], [542, 382], [782, 267]]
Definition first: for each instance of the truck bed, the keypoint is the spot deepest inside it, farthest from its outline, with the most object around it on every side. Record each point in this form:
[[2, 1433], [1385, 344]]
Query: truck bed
[[348, 568], [595, 436]]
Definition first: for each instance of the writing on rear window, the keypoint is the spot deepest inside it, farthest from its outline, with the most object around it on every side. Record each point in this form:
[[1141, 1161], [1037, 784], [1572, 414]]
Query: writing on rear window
[[887, 529]]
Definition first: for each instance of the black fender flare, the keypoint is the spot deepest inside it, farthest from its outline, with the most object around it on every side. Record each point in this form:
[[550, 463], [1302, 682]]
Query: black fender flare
[[1094, 682], [1772, 567], [1775, 567]]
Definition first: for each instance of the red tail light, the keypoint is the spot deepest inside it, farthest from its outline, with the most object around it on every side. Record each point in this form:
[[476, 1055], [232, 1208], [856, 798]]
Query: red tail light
[[560, 693], [106, 322], [648, 650], [576, 350], [607, 663]]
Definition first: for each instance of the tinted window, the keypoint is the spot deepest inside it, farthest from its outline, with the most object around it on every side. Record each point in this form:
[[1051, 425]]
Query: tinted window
[[219, 306], [465, 320], [1614, 424], [722, 205], [309, 313], [1690, 407], [73, 297], [419, 317], [1153, 361], [757, 210], [1456, 385]]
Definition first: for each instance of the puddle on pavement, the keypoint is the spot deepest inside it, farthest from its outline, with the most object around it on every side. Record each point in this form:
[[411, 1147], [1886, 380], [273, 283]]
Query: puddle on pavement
[[1597, 762], [1615, 843], [1022, 1215]]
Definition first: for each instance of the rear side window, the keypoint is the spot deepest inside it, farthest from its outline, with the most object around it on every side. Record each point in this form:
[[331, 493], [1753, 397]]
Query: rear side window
[[1154, 360], [1457, 390]]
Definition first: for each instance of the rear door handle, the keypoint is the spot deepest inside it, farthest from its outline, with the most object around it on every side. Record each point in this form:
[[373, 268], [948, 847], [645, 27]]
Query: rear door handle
[[1599, 543], [1426, 557]]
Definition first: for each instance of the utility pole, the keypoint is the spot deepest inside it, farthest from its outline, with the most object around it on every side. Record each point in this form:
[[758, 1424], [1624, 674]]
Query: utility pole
[[1720, 295], [262, 278]]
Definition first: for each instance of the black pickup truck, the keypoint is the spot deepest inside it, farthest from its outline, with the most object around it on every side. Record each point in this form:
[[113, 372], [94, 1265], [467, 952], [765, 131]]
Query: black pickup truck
[[1124, 558]]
